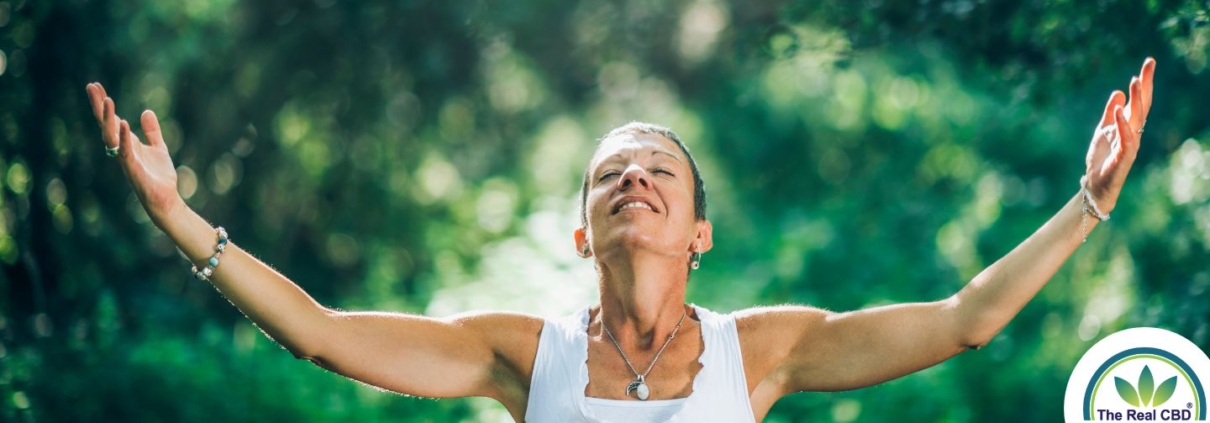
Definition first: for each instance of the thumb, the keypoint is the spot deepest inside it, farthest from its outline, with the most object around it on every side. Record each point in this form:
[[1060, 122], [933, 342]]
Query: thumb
[[151, 128]]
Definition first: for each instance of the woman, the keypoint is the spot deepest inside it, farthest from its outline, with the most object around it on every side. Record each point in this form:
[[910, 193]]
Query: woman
[[642, 354]]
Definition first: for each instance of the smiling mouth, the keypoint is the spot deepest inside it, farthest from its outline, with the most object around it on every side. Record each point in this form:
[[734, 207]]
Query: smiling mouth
[[630, 205]]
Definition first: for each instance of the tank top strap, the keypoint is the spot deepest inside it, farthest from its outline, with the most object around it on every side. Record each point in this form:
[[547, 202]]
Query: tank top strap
[[720, 390], [556, 388]]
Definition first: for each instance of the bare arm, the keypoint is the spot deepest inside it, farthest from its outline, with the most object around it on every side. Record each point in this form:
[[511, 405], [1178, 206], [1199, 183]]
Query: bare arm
[[841, 351], [838, 351], [469, 355], [479, 355]]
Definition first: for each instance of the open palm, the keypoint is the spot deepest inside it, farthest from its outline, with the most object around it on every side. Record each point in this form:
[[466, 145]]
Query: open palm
[[1115, 143], [148, 166]]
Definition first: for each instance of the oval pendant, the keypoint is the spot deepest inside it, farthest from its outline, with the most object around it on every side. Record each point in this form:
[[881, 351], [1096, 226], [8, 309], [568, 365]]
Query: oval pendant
[[639, 386]]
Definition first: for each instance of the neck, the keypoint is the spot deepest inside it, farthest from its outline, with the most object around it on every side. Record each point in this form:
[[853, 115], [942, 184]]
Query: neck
[[642, 298]]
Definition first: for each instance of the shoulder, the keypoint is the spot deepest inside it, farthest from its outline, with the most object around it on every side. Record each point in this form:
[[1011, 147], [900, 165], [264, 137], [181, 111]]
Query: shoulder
[[513, 335], [492, 319], [768, 335], [770, 323], [513, 341]]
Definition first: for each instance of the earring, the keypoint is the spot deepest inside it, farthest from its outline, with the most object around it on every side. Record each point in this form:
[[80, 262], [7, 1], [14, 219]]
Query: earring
[[695, 261], [584, 251]]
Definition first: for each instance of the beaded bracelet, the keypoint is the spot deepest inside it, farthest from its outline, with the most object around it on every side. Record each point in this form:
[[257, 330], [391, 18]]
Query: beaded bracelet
[[205, 272], [1088, 206]]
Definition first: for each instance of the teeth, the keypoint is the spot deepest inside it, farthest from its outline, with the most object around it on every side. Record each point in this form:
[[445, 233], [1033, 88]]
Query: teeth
[[635, 204]]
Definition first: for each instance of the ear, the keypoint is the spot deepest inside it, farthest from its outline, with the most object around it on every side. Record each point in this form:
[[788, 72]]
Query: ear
[[705, 237], [582, 247]]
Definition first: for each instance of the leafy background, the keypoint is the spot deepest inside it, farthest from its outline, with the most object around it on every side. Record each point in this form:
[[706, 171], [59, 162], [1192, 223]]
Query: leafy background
[[424, 156]]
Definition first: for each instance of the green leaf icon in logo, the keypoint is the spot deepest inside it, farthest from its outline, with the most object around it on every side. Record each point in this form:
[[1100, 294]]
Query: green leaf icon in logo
[[1126, 391], [1147, 394], [1146, 386], [1164, 392]]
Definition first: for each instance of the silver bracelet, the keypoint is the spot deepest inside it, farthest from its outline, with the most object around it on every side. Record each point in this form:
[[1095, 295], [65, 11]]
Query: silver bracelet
[[1088, 206], [211, 263]]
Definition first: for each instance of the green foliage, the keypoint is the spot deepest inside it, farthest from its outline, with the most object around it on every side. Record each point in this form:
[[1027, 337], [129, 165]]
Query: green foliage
[[425, 156]]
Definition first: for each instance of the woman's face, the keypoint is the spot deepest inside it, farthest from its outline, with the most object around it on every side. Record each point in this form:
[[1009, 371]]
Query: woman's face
[[640, 197]]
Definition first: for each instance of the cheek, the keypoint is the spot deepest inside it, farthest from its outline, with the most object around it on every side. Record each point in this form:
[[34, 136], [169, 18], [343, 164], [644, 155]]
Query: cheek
[[596, 204], [677, 200]]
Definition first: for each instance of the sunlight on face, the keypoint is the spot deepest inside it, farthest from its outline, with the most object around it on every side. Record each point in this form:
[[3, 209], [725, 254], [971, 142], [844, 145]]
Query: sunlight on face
[[640, 196]]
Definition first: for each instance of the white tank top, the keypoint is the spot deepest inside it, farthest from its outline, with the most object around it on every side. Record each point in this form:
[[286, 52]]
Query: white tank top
[[556, 390]]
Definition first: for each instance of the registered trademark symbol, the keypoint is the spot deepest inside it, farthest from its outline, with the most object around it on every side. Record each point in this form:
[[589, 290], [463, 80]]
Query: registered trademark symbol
[[1188, 405]]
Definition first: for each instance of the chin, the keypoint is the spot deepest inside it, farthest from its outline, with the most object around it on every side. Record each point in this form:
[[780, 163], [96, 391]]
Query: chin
[[636, 239]]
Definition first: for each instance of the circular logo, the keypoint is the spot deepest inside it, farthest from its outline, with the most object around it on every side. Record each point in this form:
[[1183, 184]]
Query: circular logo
[[1139, 374]]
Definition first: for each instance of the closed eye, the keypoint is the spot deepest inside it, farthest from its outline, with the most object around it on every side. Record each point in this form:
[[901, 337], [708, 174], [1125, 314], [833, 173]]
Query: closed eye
[[607, 175], [664, 171]]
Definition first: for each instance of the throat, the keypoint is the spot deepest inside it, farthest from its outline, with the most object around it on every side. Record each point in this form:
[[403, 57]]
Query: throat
[[646, 290]]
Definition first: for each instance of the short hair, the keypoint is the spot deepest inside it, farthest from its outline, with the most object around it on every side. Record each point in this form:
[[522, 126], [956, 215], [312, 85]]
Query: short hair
[[699, 189]]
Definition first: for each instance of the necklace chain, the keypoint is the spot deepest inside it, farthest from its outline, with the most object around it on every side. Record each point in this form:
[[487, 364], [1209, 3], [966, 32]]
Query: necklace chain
[[643, 376]]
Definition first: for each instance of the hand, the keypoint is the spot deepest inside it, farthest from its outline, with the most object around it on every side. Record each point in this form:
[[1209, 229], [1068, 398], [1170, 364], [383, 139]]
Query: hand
[[148, 167], [1115, 144]]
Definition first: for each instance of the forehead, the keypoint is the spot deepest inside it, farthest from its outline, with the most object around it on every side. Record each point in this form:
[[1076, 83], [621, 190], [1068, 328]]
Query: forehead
[[636, 144]]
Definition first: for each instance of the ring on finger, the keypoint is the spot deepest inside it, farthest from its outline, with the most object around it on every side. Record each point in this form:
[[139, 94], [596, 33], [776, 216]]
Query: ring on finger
[[112, 151]]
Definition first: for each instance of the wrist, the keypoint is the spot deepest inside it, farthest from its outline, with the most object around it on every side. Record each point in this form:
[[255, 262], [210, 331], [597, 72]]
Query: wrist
[[1090, 212], [165, 217], [180, 223], [192, 234], [1090, 207], [1099, 202]]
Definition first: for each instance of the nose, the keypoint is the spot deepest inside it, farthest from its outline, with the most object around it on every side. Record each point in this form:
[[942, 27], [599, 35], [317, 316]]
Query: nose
[[635, 176]]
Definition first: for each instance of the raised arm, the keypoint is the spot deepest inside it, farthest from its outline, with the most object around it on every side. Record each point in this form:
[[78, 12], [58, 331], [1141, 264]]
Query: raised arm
[[839, 351], [472, 355]]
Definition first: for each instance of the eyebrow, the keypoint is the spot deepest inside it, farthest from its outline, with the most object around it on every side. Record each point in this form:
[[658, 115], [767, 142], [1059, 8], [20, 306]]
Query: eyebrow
[[654, 152], [673, 156]]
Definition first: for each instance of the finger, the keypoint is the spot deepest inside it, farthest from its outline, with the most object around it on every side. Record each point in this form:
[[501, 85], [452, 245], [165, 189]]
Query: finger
[[97, 101], [127, 151], [1129, 139], [101, 89], [151, 128], [1116, 99], [1147, 78], [1134, 107], [109, 125]]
